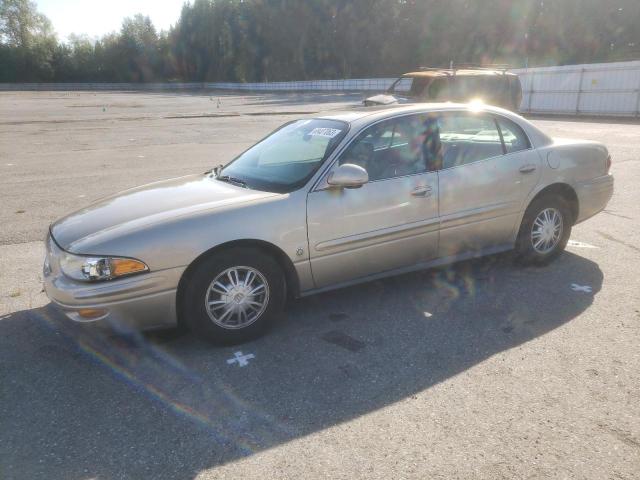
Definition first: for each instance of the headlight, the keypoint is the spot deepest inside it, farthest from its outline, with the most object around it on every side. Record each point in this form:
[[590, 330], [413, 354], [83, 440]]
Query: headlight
[[99, 268]]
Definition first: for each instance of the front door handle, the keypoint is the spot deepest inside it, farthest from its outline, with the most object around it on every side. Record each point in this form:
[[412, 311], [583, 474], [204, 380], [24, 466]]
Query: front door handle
[[421, 192], [527, 168]]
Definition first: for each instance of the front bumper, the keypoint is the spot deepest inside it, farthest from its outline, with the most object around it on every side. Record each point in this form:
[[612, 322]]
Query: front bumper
[[141, 301]]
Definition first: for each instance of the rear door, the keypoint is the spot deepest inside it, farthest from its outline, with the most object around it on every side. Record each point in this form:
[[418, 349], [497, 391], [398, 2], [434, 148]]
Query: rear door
[[482, 185]]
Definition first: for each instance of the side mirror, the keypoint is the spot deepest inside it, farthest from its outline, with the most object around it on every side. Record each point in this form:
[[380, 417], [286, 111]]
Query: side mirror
[[348, 176]]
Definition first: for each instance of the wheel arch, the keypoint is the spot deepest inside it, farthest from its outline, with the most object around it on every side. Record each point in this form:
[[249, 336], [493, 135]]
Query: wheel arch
[[564, 190], [292, 284]]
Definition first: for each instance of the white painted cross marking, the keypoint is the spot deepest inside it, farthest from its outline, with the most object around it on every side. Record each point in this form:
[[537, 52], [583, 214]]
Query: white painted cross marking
[[581, 288], [240, 359]]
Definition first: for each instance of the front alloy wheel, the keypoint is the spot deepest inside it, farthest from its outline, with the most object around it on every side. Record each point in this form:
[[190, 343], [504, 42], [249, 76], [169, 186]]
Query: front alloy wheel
[[237, 297], [232, 295]]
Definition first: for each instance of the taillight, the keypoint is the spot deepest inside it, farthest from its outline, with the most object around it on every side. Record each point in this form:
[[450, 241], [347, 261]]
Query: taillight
[[608, 164]]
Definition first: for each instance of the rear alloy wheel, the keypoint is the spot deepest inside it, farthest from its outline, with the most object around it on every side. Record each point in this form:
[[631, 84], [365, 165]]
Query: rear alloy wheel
[[545, 230], [233, 295]]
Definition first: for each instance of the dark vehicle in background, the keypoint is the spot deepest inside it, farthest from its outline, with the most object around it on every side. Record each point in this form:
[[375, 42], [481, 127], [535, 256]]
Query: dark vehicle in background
[[491, 85]]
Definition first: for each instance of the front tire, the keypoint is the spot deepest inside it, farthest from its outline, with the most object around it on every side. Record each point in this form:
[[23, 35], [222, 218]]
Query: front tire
[[545, 230], [233, 296]]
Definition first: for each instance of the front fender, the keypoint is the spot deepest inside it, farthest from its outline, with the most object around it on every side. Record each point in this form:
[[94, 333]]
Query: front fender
[[279, 220]]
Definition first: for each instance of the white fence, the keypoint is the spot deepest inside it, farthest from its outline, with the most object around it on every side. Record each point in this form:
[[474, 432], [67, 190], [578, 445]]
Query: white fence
[[99, 86], [594, 89]]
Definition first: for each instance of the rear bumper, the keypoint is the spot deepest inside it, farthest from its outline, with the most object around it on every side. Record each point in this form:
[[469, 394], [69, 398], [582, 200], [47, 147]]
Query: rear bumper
[[593, 196], [140, 302]]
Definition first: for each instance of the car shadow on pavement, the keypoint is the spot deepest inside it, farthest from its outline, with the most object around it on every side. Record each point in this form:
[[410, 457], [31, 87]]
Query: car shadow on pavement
[[79, 403]]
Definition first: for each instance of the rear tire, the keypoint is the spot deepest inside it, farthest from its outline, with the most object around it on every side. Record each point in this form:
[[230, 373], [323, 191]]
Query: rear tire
[[233, 296], [545, 230]]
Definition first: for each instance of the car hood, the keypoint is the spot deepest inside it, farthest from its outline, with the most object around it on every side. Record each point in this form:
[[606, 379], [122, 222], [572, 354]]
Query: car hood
[[150, 204]]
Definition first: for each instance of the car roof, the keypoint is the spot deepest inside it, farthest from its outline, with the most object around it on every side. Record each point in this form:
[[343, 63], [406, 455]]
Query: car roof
[[456, 73], [371, 114], [360, 117]]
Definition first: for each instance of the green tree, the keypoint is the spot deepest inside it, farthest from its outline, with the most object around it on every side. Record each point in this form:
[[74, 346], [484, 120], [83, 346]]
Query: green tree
[[27, 42], [270, 40]]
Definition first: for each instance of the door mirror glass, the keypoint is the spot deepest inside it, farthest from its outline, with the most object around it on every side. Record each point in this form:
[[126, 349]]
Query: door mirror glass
[[348, 175]]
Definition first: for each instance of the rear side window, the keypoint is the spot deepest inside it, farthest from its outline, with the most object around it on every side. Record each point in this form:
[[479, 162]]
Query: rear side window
[[469, 87], [479, 86], [468, 138], [514, 137], [516, 92], [491, 89], [440, 89], [418, 85]]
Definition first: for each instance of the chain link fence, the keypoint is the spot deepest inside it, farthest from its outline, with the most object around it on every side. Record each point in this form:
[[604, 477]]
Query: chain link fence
[[610, 89]]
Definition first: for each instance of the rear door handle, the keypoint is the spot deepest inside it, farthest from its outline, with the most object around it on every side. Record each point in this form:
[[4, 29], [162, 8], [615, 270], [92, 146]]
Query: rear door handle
[[527, 168], [421, 192]]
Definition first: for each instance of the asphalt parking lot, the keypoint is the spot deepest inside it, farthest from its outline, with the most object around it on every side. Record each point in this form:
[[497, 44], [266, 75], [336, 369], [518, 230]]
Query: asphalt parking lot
[[479, 370]]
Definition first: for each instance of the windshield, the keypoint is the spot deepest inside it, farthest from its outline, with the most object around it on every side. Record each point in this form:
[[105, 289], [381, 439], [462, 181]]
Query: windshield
[[288, 158], [401, 85], [409, 86]]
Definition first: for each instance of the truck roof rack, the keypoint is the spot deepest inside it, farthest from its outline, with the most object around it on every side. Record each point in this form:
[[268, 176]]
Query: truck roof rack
[[468, 66]]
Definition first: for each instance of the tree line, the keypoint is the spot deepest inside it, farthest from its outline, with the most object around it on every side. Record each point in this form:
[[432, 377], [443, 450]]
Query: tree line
[[275, 40]]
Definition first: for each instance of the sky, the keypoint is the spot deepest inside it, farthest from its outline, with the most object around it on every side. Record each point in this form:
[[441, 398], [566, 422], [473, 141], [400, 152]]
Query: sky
[[97, 17]]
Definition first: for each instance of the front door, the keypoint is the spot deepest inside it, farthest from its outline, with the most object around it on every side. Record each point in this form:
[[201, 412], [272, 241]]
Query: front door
[[390, 222]]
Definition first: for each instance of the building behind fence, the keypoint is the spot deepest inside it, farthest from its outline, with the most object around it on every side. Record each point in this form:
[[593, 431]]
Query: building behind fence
[[611, 89]]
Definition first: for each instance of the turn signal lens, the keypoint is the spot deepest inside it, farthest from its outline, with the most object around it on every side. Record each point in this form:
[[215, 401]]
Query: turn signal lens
[[126, 266], [92, 313], [608, 164]]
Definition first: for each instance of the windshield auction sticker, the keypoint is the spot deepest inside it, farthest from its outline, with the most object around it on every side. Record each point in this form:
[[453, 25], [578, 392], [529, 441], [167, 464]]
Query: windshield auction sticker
[[324, 132]]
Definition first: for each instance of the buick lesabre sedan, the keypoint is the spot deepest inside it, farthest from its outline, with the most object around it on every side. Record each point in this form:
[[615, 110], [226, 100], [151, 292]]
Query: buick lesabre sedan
[[319, 204]]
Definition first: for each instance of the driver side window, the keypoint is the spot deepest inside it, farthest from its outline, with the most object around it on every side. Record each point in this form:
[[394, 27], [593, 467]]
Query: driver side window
[[369, 148], [395, 148]]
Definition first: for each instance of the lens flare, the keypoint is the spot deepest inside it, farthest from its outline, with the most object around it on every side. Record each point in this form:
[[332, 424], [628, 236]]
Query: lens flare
[[160, 376]]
